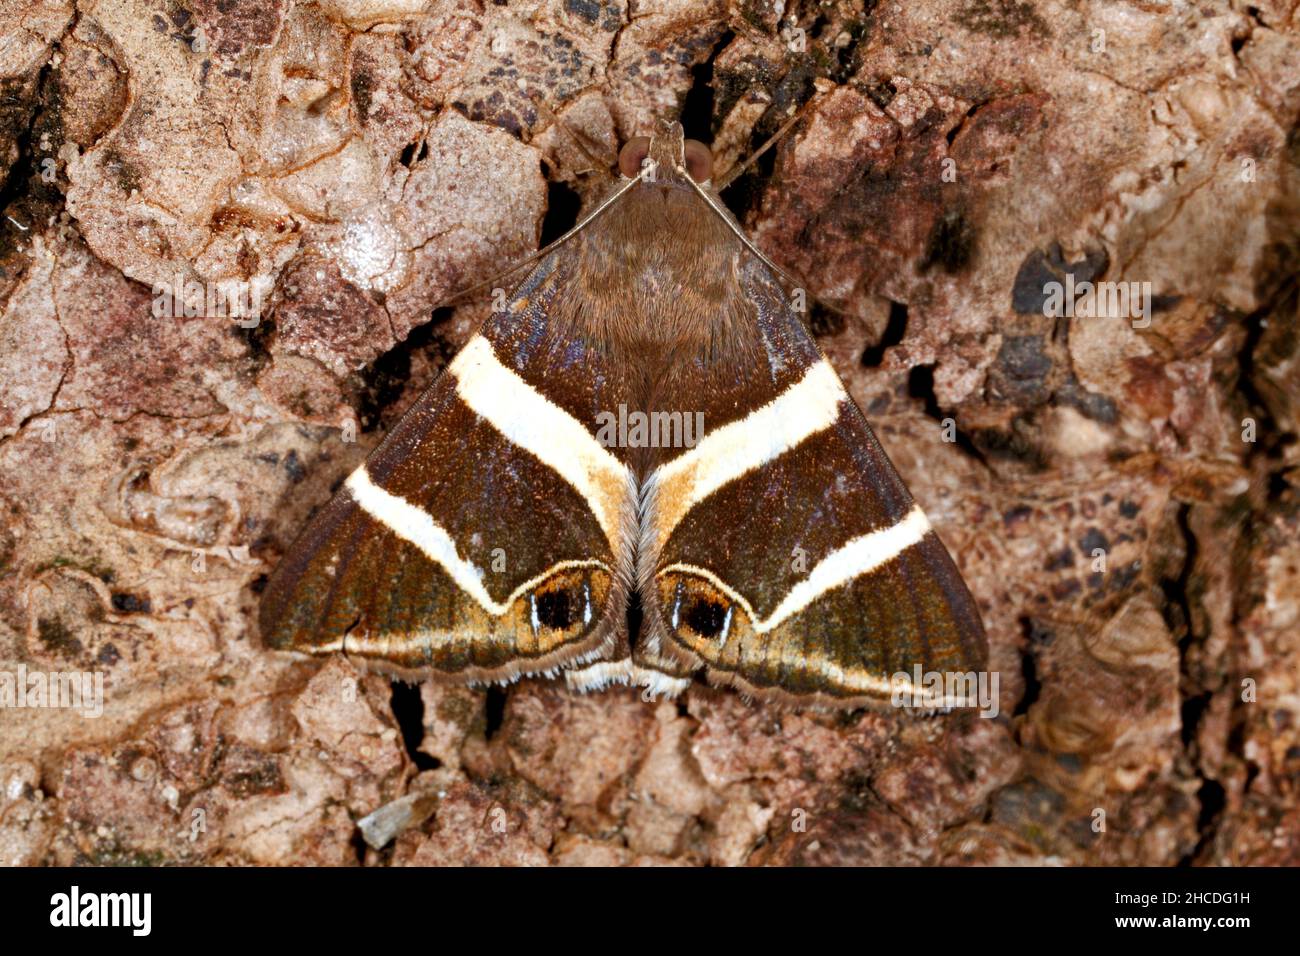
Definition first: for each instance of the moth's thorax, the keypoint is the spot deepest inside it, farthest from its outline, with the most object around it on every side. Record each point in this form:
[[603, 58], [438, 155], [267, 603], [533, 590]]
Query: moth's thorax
[[659, 273]]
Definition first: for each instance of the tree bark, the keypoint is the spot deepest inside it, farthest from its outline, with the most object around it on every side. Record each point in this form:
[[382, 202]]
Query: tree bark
[[1118, 485]]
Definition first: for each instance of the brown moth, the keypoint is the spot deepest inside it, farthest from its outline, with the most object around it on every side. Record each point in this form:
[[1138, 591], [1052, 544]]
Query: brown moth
[[494, 534]]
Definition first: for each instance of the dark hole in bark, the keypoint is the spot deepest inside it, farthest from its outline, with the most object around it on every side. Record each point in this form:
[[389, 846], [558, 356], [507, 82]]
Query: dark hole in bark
[[408, 709], [562, 207], [895, 329], [495, 711]]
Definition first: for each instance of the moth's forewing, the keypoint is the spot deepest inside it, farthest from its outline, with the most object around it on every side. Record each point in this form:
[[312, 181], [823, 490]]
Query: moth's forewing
[[491, 534], [783, 554]]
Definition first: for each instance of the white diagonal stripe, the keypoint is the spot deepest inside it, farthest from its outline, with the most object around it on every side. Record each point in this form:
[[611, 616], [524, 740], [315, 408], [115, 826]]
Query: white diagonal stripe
[[809, 406], [536, 424], [414, 525], [858, 556]]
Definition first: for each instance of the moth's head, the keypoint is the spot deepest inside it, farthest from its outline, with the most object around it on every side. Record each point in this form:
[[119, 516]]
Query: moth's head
[[665, 157]]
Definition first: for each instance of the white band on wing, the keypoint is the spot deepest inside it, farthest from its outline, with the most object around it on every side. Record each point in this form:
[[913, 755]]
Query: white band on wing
[[856, 557], [415, 526], [534, 423], [807, 407]]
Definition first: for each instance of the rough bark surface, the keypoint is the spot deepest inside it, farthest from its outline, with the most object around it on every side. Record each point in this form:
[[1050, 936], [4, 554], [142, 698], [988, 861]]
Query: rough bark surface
[[354, 162]]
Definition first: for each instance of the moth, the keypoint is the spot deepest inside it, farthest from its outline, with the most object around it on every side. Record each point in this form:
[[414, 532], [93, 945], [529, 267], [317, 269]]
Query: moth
[[493, 535]]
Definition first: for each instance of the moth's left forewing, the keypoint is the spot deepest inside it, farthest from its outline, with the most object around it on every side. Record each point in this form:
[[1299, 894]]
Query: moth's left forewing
[[491, 534], [782, 553]]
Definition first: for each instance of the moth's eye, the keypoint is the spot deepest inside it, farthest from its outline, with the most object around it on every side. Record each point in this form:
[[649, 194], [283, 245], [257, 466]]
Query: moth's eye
[[632, 155], [699, 161]]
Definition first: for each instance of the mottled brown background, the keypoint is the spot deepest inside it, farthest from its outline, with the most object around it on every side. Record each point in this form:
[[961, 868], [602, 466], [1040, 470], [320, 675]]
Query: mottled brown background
[[362, 159]]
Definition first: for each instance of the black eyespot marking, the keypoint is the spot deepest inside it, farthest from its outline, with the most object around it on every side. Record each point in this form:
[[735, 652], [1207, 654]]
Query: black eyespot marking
[[554, 609], [565, 604], [706, 618]]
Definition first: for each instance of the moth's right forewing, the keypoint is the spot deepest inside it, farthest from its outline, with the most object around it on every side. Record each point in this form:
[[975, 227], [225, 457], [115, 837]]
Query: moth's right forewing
[[783, 554]]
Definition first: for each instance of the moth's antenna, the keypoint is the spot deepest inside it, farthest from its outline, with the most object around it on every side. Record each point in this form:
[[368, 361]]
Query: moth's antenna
[[545, 250], [734, 172], [726, 217], [540, 103]]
